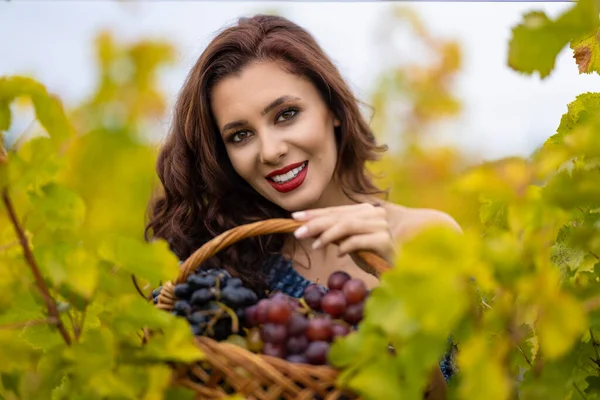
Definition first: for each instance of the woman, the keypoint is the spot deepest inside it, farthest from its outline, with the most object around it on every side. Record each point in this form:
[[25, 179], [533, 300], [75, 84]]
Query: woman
[[265, 127]]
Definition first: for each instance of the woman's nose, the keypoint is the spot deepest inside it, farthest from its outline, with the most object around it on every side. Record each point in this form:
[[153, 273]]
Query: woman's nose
[[272, 149]]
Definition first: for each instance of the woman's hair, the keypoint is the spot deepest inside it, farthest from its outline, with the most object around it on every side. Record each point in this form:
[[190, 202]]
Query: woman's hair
[[202, 194]]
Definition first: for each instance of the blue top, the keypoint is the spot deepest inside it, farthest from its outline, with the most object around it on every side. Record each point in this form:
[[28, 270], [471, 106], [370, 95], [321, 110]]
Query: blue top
[[281, 276]]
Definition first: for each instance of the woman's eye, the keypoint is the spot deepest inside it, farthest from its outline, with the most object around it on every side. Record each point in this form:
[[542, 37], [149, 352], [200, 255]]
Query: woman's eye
[[239, 136], [287, 114]]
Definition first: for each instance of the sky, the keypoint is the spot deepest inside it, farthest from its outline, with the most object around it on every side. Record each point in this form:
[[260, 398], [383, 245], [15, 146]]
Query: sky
[[504, 113]]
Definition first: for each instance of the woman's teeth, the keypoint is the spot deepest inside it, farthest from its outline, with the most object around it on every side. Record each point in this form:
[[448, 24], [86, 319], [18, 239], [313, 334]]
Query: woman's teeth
[[288, 175]]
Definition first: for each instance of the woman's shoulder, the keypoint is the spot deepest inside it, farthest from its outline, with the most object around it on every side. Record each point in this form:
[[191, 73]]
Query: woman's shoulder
[[408, 221]]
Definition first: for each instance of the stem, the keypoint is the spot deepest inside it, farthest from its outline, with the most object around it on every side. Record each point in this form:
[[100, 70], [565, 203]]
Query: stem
[[583, 396], [592, 253], [235, 323], [139, 290], [50, 302], [596, 345], [51, 321]]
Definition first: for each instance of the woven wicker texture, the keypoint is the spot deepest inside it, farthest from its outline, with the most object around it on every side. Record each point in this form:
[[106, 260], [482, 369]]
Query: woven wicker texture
[[229, 368]]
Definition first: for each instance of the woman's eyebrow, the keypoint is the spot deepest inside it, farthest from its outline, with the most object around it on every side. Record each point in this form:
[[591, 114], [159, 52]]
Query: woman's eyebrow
[[278, 101]]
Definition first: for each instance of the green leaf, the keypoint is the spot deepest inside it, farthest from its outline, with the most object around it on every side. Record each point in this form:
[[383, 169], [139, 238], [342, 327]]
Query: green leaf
[[583, 109], [5, 116], [151, 261], [593, 385], [537, 40], [378, 380], [48, 108], [587, 53], [58, 208]]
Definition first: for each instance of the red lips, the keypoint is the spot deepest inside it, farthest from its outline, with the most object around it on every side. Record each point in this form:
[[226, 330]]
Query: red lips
[[285, 169]]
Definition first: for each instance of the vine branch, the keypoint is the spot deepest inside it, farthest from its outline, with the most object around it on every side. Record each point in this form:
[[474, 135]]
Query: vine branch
[[39, 280], [15, 325]]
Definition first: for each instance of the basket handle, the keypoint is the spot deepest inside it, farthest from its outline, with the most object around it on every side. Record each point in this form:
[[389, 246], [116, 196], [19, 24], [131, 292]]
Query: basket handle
[[373, 263]]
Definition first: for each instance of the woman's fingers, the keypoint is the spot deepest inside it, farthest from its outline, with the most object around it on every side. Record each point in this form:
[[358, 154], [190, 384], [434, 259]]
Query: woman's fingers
[[349, 227], [379, 242], [347, 209]]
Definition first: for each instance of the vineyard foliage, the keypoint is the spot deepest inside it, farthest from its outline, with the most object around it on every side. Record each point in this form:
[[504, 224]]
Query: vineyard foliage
[[518, 292]]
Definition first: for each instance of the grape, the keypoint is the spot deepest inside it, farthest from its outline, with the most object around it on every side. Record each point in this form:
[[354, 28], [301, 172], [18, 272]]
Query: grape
[[235, 297], [313, 296], [354, 313], [201, 282], [339, 329], [279, 312], [274, 350], [297, 359], [234, 282], [197, 318], [156, 291], [279, 296], [182, 291], [238, 341], [297, 324], [182, 307], [355, 291], [296, 344], [251, 314], [255, 343], [273, 333], [201, 297], [262, 310], [334, 303], [316, 353], [319, 328], [337, 280]]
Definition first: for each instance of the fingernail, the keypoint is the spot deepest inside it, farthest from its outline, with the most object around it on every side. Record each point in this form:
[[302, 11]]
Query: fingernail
[[300, 232], [316, 244], [299, 215]]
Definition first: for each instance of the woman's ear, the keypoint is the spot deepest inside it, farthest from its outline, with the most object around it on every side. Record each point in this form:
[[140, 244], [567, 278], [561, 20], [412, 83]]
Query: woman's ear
[[336, 122]]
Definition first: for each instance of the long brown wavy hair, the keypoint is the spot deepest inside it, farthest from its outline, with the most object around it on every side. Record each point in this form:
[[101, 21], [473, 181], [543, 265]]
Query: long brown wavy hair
[[202, 195]]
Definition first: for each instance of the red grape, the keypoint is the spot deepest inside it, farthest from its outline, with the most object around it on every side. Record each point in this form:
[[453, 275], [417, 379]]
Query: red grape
[[354, 313], [355, 291], [316, 353], [251, 314], [319, 329], [337, 280], [262, 310], [297, 324], [279, 312], [339, 329], [334, 303], [313, 297], [273, 333], [296, 344], [274, 350]]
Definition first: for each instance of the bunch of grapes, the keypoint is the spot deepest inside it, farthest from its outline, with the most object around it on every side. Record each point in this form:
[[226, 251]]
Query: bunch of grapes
[[213, 302], [302, 330]]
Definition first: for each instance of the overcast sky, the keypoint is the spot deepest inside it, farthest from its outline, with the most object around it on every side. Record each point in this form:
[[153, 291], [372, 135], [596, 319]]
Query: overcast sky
[[505, 113]]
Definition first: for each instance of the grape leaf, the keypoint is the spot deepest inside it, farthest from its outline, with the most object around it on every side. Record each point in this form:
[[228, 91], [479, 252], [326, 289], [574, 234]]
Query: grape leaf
[[586, 106], [587, 53], [151, 261], [57, 208], [537, 40]]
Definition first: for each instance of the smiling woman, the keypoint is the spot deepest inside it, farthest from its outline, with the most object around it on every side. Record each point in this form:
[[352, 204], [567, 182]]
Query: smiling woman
[[265, 127]]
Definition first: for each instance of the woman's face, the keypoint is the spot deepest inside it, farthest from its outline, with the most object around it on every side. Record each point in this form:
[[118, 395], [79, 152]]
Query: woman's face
[[279, 135]]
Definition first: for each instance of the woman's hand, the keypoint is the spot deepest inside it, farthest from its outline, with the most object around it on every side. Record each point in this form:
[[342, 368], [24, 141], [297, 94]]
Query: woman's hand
[[353, 227]]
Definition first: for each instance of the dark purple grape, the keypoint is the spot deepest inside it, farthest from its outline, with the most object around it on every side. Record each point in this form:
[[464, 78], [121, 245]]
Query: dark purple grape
[[201, 282], [202, 296], [273, 333], [235, 282], [316, 353], [319, 328], [279, 312], [354, 313], [355, 291], [182, 291], [197, 318], [297, 359], [182, 307], [334, 303], [337, 280], [339, 329], [156, 291], [233, 297], [274, 349], [296, 344], [313, 297], [297, 324]]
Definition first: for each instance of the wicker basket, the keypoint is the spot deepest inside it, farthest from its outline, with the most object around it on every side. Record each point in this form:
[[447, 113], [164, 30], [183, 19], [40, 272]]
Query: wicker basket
[[255, 376]]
